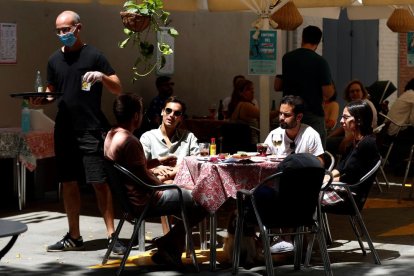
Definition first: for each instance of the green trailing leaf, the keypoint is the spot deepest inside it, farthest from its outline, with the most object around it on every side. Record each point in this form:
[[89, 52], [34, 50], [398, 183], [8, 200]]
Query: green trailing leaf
[[146, 61], [173, 32], [165, 49], [124, 43]]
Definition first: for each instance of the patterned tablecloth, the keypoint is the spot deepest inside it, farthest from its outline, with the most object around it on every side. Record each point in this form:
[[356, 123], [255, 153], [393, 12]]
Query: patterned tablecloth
[[213, 183], [26, 147]]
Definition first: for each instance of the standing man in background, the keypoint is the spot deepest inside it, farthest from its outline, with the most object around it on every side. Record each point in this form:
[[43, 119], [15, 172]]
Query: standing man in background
[[80, 125], [306, 74]]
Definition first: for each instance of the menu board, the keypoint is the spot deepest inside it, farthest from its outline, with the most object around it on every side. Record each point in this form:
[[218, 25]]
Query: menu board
[[8, 43]]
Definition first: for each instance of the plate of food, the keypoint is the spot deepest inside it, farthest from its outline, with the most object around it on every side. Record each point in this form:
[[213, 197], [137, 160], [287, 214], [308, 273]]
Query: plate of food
[[258, 159], [203, 158], [240, 155], [276, 158]]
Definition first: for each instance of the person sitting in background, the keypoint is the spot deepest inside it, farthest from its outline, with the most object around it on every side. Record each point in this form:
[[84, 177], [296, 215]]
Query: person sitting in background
[[338, 140], [293, 137], [167, 145], [401, 112], [241, 108], [362, 154], [165, 89], [331, 109], [124, 148], [227, 100]]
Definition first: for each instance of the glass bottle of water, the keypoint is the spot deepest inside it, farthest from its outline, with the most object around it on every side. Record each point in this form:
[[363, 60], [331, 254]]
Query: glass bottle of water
[[38, 86]]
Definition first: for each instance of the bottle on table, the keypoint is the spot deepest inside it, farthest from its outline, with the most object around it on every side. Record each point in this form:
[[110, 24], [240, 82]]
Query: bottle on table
[[220, 114], [213, 146], [25, 120], [38, 86], [273, 105]]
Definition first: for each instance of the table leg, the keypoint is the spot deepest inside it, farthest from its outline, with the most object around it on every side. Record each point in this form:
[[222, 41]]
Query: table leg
[[213, 241], [23, 184], [18, 176], [8, 246]]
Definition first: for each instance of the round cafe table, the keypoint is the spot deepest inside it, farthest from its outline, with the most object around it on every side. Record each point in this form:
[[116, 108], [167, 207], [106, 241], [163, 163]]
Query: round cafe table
[[12, 229], [213, 183]]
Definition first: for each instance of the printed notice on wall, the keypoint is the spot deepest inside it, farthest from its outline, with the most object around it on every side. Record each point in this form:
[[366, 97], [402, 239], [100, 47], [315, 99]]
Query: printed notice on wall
[[410, 49], [262, 53], [8, 43]]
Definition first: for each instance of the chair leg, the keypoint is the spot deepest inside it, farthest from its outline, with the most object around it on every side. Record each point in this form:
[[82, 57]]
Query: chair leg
[[364, 229], [189, 235], [324, 252], [298, 246], [114, 240], [407, 169], [357, 234], [237, 234], [265, 241], [326, 228], [137, 227], [384, 176], [378, 184]]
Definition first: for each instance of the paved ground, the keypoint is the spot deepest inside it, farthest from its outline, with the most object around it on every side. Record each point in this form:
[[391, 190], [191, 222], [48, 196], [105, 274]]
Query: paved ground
[[390, 223]]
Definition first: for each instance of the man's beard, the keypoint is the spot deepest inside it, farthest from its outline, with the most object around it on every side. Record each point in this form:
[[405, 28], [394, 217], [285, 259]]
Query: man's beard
[[288, 126]]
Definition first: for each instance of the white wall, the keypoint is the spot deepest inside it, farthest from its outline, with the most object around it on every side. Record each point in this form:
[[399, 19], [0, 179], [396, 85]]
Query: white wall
[[210, 50], [388, 53]]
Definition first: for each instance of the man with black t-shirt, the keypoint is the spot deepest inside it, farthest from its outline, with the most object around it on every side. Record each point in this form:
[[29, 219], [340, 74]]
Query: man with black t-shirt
[[80, 72]]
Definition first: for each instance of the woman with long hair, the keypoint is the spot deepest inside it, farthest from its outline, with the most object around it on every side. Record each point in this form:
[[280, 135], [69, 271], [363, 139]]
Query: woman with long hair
[[362, 154]]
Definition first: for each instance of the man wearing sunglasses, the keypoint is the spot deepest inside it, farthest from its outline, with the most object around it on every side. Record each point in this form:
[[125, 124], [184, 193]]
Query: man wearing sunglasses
[[167, 145]]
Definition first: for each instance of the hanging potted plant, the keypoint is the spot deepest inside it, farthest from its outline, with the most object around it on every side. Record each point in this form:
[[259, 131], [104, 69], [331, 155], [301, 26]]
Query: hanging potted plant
[[140, 19]]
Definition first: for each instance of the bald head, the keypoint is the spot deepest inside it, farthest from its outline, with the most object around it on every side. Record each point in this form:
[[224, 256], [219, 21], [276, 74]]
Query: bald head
[[68, 17]]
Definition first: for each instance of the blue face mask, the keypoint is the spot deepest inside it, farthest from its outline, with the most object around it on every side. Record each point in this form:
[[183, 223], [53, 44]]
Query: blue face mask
[[67, 39]]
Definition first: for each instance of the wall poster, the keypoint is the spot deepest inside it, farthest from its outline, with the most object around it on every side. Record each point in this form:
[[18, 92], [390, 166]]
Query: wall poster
[[410, 49], [262, 53], [8, 43]]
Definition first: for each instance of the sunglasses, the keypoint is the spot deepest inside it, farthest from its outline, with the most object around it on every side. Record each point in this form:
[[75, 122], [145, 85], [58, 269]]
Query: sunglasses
[[168, 111]]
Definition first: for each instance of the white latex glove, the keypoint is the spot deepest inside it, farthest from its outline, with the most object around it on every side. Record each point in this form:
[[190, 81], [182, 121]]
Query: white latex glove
[[93, 76]]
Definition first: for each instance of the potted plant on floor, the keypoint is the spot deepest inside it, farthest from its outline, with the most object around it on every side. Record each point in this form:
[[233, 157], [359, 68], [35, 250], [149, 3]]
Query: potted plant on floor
[[140, 19]]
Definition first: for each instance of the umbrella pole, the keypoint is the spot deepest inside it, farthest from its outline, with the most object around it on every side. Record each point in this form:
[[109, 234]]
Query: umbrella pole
[[264, 96]]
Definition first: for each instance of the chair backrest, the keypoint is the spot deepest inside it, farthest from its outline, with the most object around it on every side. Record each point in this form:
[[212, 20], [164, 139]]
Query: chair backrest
[[115, 182], [329, 160], [363, 186], [290, 198]]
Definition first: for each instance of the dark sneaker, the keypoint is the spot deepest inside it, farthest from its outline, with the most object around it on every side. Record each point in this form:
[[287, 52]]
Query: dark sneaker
[[66, 244], [119, 248]]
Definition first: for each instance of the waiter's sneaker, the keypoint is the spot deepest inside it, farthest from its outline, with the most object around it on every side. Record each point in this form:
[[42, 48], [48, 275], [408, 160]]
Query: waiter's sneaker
[[281, 247], [66, 244]]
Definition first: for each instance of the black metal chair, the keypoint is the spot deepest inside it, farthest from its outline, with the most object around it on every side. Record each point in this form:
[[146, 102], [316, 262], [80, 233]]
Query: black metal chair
[[357, 195], [329, 161], [288, 199], [407, 170], [116, 174], [387, 145]]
